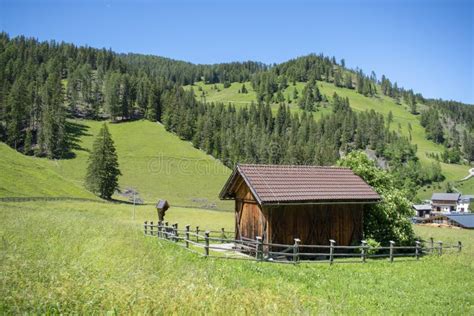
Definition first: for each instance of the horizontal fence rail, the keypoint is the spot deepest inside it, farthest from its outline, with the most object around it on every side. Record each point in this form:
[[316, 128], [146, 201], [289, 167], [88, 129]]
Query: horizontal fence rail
[[221, 244]]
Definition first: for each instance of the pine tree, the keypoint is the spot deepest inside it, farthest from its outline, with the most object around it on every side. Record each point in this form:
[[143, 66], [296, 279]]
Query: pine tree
[[390, 118], [53, 118], [348, 81], [112, 95], [103, 169]]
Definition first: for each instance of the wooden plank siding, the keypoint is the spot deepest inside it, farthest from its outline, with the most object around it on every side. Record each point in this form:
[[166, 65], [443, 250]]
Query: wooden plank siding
[[316, 224]]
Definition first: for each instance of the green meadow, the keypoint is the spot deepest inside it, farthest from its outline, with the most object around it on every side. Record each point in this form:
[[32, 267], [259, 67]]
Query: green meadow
[[92, 258], [382, 104], [156, 163]]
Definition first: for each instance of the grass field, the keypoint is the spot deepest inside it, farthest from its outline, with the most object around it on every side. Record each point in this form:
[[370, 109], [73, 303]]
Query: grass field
[[380, 103], [28, 176], [158, 164], [91, 258]]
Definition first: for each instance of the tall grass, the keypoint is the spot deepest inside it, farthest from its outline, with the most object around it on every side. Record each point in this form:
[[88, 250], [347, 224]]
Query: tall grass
[[86, 257]]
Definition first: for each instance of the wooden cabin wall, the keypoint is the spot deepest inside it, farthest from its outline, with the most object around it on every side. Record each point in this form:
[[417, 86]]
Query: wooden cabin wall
[[316, 224], [250, 221]]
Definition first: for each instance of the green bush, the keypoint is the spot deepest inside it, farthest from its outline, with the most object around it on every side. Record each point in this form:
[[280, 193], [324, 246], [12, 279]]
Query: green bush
[[389, 219]]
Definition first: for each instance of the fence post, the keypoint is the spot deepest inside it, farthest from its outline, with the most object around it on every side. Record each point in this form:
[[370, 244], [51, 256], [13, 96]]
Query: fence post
[[331, 250], [160, 226], [176, 232], [459, 246], [432, 244], [417, 250], [187, 236], [258, 248], [166, 231], [392, 243], [145, 227], [172, 232], [440, 248], [363, 251], [206, 246], [197, 233], [222, 235], [151, 228], [296, 250]]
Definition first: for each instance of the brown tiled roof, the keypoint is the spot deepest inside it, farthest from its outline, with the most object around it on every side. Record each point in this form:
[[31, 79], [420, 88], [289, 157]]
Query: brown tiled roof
[[291, 184]]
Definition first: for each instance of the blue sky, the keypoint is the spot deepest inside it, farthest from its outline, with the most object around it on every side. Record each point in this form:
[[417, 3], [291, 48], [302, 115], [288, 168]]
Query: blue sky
[[423, 45]]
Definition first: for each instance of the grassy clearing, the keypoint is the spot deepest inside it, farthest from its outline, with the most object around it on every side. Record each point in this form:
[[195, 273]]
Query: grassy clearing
[[86, 257], [158, 164], [29, 176], [382, 104]]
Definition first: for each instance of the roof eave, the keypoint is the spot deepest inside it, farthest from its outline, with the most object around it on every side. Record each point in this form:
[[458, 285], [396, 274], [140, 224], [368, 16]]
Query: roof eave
[[321, 202], [224, 195]]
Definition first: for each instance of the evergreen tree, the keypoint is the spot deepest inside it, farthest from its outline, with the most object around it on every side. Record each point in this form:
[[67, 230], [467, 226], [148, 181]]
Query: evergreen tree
[[53, 119], [348, 81], [338, 79], [113, 95], [390, 118], [103, 169], [468, 146]]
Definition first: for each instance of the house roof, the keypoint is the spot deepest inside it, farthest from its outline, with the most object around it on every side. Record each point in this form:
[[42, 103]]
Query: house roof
[[275, 184], [445, 197], [423, 207], [465, 220], [467, 198]]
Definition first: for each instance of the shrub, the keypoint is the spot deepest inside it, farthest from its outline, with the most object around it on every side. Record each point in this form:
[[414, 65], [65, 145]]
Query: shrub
[[389, 219]]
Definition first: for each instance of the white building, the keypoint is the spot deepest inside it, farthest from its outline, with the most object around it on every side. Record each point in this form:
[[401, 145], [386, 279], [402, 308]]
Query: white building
[[450, 202], [463, 203]]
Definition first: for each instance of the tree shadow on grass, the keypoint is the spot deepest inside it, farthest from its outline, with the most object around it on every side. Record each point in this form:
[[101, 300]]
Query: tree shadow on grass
[[74, 132]]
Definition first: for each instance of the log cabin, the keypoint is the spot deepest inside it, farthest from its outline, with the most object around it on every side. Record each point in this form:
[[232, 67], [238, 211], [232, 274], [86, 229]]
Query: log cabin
[[314, 204]]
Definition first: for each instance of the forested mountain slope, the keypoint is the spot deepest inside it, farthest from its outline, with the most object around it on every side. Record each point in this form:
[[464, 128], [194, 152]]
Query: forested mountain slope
[[403, 122], [309, 110]]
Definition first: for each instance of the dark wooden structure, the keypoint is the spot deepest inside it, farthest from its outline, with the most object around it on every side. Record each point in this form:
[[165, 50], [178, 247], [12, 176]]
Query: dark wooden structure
[[162, 206], [315, 204]]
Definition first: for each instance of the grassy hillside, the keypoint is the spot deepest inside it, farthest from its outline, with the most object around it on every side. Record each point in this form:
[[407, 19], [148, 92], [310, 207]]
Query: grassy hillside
[[24, 176], [91, 258], [382, 104], [158, 164]]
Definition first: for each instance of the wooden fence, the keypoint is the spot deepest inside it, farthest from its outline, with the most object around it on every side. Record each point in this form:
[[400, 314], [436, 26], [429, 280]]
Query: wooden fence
[[221, 244]]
